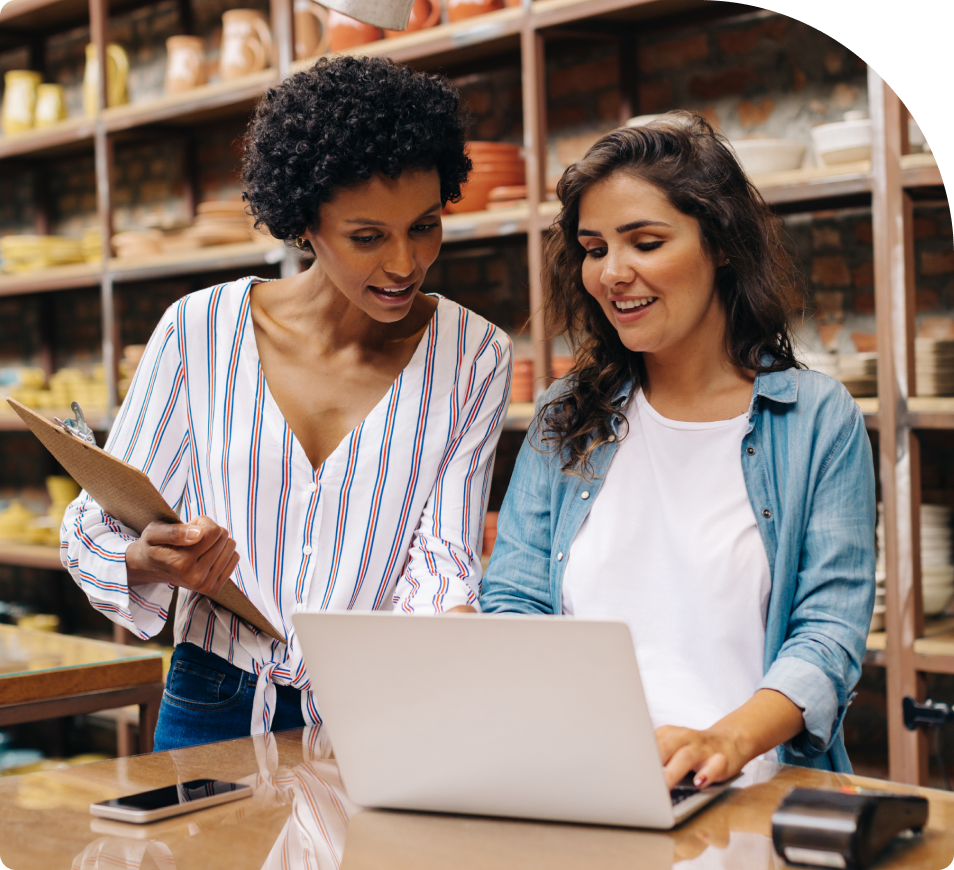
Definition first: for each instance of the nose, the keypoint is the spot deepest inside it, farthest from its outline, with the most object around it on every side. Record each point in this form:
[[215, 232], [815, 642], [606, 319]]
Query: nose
[[399, 260], [616, 269]]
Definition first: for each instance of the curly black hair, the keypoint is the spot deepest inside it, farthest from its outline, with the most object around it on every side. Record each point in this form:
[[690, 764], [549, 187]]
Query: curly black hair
[[338, 123]]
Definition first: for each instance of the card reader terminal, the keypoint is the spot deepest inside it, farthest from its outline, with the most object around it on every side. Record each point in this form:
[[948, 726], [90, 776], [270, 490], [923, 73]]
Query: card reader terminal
[[845, 829]]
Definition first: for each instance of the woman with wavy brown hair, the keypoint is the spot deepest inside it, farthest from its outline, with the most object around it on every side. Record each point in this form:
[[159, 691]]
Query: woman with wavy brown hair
[[688, 476]]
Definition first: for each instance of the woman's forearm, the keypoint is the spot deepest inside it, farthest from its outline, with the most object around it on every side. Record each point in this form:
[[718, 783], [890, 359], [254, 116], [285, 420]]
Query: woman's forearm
[[765, 721]]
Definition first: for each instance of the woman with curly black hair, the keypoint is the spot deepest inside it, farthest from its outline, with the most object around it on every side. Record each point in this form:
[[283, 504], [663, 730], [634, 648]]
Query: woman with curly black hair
[[329, 435]]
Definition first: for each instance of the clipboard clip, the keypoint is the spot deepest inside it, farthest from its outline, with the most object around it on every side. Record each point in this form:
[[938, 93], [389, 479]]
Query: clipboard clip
[[77, 426]]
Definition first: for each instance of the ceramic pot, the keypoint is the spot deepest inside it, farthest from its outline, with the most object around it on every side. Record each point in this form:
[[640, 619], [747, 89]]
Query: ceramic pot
[[246, 44], [426, 13], [393, 14], [345, 32], [50, 105], [185, 66], [19, 100], [311, 29], [117, 73], [458, 10]]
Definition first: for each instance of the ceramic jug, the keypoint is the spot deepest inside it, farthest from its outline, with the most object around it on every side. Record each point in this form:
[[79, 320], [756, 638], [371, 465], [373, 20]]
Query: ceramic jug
[[311, 29], [19, 100], [50, 105], [185, 65], [425, 13], [246, 43], [393, 14], [345, 32], [117, 73], [458, 10]]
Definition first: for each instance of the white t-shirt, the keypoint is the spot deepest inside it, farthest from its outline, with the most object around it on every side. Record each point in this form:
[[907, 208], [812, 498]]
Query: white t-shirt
[[671, 547]]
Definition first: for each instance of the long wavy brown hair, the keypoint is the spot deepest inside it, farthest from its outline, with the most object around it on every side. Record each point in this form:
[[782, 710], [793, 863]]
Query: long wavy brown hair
[[695, 168]]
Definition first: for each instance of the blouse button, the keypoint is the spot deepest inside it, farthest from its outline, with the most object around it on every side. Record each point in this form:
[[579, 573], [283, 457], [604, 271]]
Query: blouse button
[[307, 550], [584, 495], [312, 487], [559, 557], [750, 451], [767, 514]]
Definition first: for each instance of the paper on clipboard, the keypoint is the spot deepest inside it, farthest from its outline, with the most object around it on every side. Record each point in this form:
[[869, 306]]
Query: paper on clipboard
[[128, 495]]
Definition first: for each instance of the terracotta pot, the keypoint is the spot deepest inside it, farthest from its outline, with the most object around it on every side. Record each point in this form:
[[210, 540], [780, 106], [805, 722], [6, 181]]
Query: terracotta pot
[[19, 100], [560, 365], [425, 13], [458, 10], [117, 73], [246, 44], [476, 192], [311, 29], [521, 390], [513, 3], [50, 105], [345, 32], [185, 66]]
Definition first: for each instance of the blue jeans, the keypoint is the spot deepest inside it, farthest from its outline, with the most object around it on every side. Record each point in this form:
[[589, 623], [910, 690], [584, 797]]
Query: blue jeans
[[207, 700]]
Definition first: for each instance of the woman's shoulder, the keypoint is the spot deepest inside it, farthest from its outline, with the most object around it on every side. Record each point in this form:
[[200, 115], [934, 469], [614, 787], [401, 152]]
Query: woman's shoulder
[[210, 303], [471, 335]]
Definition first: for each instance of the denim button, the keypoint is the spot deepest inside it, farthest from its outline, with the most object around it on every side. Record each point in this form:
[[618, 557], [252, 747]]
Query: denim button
[[559, 557], [750, 451], [767, 514], [584, 495]]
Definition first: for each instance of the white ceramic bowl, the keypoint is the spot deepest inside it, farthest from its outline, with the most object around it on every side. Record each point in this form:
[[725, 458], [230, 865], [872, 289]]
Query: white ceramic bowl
[[843, 142], [765, 156], [935, 598]]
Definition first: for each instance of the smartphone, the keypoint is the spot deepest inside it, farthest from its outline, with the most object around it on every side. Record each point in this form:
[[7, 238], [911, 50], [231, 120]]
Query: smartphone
[[171, 800]]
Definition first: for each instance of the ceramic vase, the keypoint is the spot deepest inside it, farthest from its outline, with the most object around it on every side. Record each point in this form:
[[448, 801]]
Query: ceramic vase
[[19, 100], [246, 44], [117, 73]]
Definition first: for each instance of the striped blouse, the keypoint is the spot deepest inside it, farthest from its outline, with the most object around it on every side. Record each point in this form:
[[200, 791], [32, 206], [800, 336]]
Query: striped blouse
[[390, 520]]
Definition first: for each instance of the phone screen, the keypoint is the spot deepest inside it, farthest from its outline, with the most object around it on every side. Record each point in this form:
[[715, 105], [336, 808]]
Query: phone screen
[[174, 795]]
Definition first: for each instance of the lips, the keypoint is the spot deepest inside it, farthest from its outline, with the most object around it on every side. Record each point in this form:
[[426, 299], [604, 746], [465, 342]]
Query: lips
[[394, 293], [629, 310]]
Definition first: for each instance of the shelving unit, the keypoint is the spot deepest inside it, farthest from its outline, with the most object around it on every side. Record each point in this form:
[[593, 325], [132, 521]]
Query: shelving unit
[[891, 182]]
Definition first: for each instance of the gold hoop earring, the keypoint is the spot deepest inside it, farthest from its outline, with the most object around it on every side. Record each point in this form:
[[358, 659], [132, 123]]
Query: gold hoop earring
[[299, 242]]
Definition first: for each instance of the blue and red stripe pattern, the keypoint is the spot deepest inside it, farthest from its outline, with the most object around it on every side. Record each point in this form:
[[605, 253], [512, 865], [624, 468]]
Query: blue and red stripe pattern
[[391, 519]]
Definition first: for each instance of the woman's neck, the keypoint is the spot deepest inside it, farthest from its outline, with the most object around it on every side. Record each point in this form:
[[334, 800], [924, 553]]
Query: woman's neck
[[695, 381]]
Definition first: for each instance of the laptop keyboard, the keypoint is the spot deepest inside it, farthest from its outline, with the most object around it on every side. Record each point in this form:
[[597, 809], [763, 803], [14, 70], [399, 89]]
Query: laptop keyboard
[[681, 792]]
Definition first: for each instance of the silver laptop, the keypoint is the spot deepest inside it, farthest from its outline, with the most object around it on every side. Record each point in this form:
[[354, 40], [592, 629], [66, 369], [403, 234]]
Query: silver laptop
[[504, 715]]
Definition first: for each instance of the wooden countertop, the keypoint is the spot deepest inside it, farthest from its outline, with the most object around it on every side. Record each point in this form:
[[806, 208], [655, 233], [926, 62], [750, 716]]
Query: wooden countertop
[[300, 816]]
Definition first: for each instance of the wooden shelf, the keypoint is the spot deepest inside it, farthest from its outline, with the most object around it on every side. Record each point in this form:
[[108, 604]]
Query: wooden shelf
[[55, 278], [920, 170], [31, 556], [211, 259], [485, 224], [519, 415], [75, 134], [933, 651], [197, 106], [553, 13]]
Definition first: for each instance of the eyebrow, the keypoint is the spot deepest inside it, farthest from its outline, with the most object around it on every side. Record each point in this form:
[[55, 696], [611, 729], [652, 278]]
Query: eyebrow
[[369, 222], [626, 228]]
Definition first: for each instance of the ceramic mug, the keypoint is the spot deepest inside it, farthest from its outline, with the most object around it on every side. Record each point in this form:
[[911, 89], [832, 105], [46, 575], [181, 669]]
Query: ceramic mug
[[185, 66], [19, 100], [458, 10], [117, 73], [50, 105], [425, 13], [246, 43], [390, 14], [311, 29], [345, 32]]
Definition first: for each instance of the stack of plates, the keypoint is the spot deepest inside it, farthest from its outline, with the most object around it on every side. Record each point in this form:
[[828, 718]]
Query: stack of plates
[[30, 253], [937, 565], [496, 164], [934, 366], [221, 223], [859, 373], [137, 243], [92, 245]]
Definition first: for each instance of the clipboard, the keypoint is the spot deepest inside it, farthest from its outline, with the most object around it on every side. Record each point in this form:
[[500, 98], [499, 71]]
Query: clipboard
[[127, 494]]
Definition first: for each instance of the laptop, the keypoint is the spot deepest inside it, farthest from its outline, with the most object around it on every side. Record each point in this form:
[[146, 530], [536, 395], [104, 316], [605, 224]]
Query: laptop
[[496, 715]]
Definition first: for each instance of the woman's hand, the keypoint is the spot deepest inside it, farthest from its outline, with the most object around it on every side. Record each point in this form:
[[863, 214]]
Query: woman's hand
[[199, 556], [767, 719]]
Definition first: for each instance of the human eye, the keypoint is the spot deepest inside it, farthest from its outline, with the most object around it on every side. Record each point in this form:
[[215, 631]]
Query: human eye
[[648, 246], [596, 252], [424, 228], [365, 240]]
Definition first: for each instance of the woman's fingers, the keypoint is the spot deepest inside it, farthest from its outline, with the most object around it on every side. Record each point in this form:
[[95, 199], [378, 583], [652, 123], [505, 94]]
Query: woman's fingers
[[683, 750], [685, 759], [714, 769], [222, 569]]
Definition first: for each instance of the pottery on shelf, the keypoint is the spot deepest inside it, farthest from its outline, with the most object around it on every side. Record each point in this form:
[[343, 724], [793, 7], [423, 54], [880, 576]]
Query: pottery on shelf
[[246, 44], [765, 156], [50, 105], [425, 13], [185, 66], [117, 74], [846, 141], [19, 100], [311, 29], [458, 10], [345, 32]]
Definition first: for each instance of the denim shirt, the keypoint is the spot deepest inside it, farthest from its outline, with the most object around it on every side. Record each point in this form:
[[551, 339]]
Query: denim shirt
[[808, 470]]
